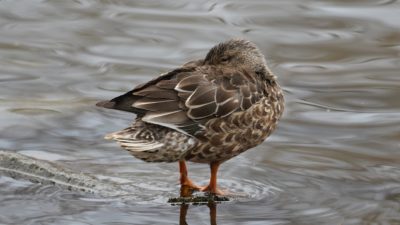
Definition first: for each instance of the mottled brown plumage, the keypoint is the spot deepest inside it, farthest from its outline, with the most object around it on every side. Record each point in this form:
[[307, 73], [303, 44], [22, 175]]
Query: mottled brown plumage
[[206, 111]]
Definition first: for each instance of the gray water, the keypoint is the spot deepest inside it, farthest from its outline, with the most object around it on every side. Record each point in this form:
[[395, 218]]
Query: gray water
[[333, 160]]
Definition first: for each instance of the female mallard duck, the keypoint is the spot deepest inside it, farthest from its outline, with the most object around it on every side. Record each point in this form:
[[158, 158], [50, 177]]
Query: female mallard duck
[[206, 111]]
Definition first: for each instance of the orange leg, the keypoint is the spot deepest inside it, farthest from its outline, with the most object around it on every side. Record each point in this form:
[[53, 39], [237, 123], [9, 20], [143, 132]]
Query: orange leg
[[212, 186], [187, 186]]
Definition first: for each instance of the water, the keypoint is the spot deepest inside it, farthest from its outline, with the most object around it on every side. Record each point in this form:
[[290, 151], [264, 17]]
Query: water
[[333, 160]]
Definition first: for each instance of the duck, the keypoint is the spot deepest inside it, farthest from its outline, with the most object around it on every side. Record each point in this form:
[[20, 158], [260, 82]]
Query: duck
[[205, 111]]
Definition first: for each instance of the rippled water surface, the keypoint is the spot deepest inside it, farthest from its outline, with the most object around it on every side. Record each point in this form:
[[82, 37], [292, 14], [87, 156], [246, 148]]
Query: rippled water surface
[[333, 160]]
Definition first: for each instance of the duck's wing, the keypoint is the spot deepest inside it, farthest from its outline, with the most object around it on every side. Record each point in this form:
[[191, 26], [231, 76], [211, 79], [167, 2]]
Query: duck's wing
[[185, 99], [125, 101]]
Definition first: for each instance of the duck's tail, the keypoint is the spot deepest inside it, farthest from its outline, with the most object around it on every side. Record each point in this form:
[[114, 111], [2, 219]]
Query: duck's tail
[[153, 143], [129, 140]]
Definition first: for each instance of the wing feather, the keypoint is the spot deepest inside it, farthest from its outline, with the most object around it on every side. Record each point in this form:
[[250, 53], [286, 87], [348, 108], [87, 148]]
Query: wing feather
[[222, 95], [202, 95], [158, 93], [190, 83], [156, 105], [204, 111], [186, 98], [228, 107]]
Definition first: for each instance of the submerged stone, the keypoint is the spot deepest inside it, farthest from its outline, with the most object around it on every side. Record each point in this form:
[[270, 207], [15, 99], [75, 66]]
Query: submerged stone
[[19, 166], [198, 199]]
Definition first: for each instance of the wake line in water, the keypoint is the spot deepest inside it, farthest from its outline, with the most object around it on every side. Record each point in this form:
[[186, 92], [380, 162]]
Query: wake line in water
[[19, 166]]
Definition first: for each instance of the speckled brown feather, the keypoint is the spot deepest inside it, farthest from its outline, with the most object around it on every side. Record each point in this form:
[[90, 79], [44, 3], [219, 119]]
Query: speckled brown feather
[[153, 143], [222, 105]]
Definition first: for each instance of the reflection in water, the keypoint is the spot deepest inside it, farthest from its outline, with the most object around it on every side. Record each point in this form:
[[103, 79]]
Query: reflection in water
[[185, 208]]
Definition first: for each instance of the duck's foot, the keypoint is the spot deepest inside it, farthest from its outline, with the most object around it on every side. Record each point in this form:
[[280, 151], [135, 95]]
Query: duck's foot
[[188, 187], [211, 190]]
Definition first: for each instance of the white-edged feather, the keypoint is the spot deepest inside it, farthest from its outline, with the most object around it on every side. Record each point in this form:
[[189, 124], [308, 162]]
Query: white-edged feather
[[140, 146], [141, 103], [126, 141], [152, 118]]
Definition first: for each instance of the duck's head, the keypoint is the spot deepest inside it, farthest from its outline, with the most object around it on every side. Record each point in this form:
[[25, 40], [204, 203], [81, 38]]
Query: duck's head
[[240, 54]]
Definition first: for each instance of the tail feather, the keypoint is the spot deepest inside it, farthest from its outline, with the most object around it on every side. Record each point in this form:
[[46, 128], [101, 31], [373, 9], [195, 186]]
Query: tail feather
[[106, 104], [141, 147], [153, 143], [126, 138]]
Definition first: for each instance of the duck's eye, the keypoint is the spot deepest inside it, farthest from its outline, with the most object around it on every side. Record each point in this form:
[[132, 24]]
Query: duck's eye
[[226, 58]]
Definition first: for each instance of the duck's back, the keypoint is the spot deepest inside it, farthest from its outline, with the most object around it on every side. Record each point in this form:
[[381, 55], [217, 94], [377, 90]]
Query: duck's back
[[199, 113]]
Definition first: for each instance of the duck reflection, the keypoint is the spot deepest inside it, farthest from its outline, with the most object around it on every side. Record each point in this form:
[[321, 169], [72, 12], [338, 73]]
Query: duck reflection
[[185, 207]]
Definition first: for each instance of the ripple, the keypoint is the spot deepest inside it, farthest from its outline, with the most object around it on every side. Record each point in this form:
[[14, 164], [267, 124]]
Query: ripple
[[44, 155], [155, 17], [33, 111], [250, 190], [16, 77], [311, 159], [367, 3]]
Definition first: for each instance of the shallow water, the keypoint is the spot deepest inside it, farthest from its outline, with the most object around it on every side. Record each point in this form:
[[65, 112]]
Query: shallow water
[[333, 160]]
